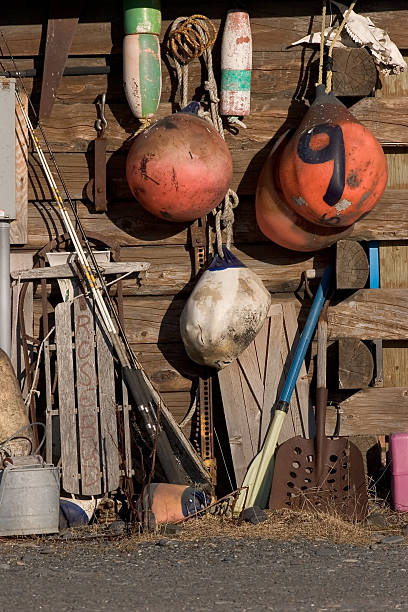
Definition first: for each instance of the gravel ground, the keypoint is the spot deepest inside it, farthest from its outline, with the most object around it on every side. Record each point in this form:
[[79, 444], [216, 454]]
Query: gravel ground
[[174, 575]]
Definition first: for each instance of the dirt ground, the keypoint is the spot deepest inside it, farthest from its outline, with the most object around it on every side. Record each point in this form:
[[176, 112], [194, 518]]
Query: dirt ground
[[205, 568]]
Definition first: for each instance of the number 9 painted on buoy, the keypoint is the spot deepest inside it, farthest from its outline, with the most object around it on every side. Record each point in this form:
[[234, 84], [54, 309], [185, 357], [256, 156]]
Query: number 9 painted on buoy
[[333, 170]]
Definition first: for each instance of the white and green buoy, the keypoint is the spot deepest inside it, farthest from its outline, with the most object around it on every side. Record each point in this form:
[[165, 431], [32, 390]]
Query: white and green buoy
[[141, 56]]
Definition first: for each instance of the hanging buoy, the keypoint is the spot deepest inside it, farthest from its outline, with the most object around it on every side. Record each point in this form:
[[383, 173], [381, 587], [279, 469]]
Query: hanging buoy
[[236, 65], [142, 16], [141, 56], [279, 222], [224, 312], [179, 168], [333, 169], [142, 73]]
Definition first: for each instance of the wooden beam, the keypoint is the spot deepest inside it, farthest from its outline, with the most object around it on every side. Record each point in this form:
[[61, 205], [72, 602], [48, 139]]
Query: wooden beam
[[130, 225], [356, 364], [371, 411], [274, 25], [71, 126], [352, 267], [67, 271], [18, 227], [371, 314]]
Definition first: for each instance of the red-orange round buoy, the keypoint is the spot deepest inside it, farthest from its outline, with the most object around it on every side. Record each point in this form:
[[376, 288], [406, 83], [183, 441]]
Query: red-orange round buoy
[[279, 222], [333, 169], [179, 168]]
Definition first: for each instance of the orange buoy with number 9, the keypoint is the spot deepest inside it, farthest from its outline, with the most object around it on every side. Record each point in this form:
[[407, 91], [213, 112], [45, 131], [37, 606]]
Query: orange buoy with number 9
[[333, 170]]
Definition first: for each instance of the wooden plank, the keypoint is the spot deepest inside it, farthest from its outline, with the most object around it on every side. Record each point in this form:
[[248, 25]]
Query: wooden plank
[[289, 425], [372, 411], [394, 256], [371, 314], [356, 364], [66, 397], [261, 349], [70, 127], [67, 271], [248, 363], [252, 414], [130, 225], [394, 273], [274, 26], [352, 267], [273, 370], [86, 387], [237, 426], [107, 409], [300, 416], [18, 227]]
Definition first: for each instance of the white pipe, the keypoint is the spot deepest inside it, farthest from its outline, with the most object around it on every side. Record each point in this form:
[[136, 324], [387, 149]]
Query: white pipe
[[5, 291]]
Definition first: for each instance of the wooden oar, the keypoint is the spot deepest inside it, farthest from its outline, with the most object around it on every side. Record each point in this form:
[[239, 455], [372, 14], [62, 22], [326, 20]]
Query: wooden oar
[[257, 482]]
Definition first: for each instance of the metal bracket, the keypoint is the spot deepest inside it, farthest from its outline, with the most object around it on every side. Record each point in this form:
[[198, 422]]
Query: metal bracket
[[96, 187]]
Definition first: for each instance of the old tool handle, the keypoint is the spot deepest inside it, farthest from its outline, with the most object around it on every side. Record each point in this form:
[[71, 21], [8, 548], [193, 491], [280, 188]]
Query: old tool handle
[[307, 334], [320, 438], [136, 384], [321, 351]]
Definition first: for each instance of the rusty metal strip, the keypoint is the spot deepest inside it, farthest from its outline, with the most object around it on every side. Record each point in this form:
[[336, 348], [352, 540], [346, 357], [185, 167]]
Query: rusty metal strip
[[60, 32], [204, 403]]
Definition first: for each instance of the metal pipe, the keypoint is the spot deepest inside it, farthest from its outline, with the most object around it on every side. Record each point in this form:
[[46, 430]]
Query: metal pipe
[[5, 291]]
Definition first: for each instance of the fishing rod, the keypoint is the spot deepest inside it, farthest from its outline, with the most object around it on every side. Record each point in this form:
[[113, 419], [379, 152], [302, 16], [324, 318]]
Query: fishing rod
[[132, 370]]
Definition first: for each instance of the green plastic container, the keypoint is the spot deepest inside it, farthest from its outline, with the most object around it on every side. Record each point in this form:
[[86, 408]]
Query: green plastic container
[[142, 16]]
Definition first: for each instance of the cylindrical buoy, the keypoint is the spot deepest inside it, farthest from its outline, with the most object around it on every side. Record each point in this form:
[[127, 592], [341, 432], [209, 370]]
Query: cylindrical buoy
[[279, 222], [142, 73], [333, 169], [142, 16], [179, 168], [236, 65]]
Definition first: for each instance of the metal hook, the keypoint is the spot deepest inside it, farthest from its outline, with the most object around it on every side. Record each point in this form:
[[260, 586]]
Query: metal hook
[[101, 123]]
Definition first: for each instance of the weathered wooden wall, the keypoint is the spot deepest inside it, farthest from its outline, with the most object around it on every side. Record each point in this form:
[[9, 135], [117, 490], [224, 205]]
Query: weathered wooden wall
[[282, 84]]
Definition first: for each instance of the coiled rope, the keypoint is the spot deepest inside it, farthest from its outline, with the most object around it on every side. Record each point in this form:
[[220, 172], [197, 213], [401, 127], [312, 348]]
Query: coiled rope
[[191, 38]]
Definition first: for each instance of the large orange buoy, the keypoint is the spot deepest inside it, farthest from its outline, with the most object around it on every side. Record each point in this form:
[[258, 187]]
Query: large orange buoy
[[333, 169], [179, 168], [279, 222]]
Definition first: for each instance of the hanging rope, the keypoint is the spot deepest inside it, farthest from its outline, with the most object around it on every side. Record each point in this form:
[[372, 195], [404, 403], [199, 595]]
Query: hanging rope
[[322, 35], [191, 38], [329, 73], [330, 54]]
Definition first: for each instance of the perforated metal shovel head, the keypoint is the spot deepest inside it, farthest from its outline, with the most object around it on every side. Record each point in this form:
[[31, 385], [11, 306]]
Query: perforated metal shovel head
[[341, 488]]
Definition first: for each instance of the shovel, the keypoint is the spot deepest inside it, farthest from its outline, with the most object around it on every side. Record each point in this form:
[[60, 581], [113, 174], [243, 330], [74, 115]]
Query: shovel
[[321, 474]]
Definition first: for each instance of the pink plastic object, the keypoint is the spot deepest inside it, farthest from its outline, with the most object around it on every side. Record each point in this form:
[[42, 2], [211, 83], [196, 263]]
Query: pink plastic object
[[399, 468]]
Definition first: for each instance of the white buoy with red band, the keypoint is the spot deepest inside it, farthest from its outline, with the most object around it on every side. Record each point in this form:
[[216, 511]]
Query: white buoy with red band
[[142, 73], [236, 65]]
